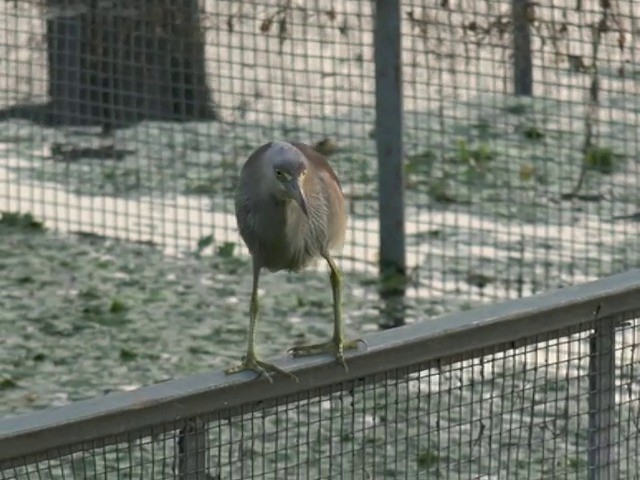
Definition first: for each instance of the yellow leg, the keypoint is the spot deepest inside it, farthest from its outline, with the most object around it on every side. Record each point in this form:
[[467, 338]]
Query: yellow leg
[[251, 360], [338, 344]]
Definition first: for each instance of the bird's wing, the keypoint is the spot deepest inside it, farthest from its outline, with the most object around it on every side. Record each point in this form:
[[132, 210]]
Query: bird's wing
[[336, 217]]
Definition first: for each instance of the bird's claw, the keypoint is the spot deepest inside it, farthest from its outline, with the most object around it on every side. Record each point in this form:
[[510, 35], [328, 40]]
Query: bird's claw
[[264, 369], [335, 347]]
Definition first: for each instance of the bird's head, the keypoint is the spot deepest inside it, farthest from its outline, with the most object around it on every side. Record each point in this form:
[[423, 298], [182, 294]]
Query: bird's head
[[289, 167]]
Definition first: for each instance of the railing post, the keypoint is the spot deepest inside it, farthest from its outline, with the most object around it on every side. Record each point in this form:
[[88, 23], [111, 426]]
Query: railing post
[[388, 130], [191, 451], [521, 11], [600, 435]]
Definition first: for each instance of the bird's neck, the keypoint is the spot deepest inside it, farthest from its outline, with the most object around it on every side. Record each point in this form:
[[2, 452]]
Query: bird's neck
[[286, 213]]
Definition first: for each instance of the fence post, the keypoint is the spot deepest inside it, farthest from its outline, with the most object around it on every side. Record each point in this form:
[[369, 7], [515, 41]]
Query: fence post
[[600, 436], [191, 452], [521, 11], [388, 130]]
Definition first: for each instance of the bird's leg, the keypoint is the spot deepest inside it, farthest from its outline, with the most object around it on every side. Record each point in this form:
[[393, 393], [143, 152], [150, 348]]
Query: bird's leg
[[338, 343], [339, 340], [251, 361]]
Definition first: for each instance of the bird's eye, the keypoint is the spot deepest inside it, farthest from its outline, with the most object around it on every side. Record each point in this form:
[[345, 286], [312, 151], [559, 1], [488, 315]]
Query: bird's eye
[[279, 173]]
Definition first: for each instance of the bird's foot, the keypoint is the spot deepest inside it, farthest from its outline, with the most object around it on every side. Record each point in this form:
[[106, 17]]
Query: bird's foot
[[334, 346], [264, 369]]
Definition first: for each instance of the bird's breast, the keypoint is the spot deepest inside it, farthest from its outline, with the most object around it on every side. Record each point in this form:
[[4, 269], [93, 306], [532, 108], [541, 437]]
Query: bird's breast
[[291, 240]]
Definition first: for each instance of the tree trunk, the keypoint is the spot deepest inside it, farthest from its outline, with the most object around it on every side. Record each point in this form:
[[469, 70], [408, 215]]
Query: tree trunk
[[117, 62]]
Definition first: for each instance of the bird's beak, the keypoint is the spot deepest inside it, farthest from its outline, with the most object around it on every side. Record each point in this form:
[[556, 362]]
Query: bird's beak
[[298, 195]]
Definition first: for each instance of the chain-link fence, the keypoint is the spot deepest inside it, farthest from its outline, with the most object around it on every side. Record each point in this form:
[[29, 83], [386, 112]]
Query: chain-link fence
[[549, 388], [520, 142]]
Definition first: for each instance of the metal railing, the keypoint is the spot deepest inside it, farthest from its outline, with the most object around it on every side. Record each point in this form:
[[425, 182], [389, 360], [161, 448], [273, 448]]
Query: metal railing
[[543, 387]]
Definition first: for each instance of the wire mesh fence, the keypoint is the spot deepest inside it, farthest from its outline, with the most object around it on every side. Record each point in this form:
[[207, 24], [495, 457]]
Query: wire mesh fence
[[131, 121], [560, 403], [532, 180]]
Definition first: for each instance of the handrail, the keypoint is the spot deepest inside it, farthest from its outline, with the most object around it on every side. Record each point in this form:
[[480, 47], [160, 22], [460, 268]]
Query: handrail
[[214, 392]]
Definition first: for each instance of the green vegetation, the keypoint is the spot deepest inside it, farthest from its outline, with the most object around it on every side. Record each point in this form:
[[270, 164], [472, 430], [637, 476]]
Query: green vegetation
[[601, 159], [532, 133], [440, 191], [17, 220], [517, 108], [428, 459], [478, 156]]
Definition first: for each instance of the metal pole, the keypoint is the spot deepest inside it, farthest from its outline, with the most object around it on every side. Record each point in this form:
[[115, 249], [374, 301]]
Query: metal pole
[[600, 435], [191, 451], [521, 15], [389, 145]]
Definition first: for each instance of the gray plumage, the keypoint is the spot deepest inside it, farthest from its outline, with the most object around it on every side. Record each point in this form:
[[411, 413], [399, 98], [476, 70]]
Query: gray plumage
[[277, 232], [290, 211]]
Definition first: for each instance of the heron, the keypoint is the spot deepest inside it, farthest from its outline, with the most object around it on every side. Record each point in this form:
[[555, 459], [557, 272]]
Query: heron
[[290, 211]]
